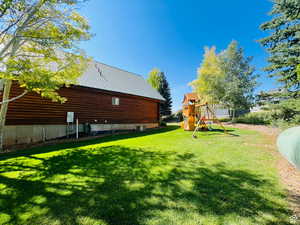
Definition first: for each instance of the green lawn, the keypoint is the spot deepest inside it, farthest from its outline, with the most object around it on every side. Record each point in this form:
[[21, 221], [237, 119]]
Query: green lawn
[[160, 177]]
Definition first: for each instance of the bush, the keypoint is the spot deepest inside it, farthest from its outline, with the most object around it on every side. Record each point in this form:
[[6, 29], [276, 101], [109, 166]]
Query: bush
[[162, 124], [286, 123], [286, 113], [179, 116], [224, 119], [175, 117], [167, 119], [258, 118]]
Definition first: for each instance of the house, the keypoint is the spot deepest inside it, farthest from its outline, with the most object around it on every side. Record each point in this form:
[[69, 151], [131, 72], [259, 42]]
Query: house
[[266, 98], [106, 98]]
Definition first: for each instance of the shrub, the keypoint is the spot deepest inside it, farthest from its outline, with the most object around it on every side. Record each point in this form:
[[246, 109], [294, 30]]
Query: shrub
[[257, 118], [224, 119], [175, 117], [167, 119], [287, 111], [284, 114], [162, 124], [179, 116]]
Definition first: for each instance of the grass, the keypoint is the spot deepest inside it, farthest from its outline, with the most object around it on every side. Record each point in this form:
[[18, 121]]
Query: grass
[[154, 178]]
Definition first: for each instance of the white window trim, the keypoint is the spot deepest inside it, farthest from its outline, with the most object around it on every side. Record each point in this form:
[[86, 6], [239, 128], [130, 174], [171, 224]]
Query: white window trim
[[115, 101]]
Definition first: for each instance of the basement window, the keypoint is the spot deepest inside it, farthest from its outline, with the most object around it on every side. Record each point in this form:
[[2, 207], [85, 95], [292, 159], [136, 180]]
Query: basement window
[[115, 101]]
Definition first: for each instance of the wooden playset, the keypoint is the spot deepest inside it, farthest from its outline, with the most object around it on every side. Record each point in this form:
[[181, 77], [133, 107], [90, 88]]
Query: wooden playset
[[198, 116]]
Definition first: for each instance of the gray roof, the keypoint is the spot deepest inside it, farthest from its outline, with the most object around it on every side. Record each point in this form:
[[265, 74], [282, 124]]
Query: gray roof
[[105, 77]]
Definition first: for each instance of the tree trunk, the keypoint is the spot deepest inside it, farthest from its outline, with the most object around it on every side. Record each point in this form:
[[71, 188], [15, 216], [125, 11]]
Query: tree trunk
[[3, 111], [233, 115]]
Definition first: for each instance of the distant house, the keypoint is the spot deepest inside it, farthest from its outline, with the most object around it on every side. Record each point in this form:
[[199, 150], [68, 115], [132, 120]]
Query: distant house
[[266, 98], [106, 98]]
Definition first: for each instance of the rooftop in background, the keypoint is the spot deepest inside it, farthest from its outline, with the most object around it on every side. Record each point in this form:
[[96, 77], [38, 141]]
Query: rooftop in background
[[101, 76]]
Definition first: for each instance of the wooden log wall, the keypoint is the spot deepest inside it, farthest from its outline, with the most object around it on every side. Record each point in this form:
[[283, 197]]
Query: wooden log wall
[[89, 105]]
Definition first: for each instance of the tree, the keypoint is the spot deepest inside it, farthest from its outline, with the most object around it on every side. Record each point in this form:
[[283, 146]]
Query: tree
[[264, 98], [158, 81], [178, 115], [286, 113], [283, 44], [239, 78], [164, 90], [38, 48], [226, 79], [209, 83], [154, 78]]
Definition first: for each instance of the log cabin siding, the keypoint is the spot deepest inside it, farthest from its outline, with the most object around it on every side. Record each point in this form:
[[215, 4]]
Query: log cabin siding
[[89, 105]]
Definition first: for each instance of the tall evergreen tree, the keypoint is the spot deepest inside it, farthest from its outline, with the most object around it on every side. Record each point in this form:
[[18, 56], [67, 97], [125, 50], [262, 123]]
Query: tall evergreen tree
[[164, 90], [158, 81], [283, 44]]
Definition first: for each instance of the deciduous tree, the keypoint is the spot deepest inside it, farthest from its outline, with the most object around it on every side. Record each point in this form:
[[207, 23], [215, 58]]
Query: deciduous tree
[[38, 48], [227, 79], [209, 83], [154, 78], [239, 78]]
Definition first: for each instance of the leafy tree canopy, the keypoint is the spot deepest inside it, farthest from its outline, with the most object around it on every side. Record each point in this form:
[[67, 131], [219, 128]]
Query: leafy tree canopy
[[38, 48], [210, 77], [154, 78], [39, 44], [226, 78], [240, 80]]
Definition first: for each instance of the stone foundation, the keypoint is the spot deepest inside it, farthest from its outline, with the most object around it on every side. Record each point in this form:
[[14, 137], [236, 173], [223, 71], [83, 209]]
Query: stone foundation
[[15, 135]]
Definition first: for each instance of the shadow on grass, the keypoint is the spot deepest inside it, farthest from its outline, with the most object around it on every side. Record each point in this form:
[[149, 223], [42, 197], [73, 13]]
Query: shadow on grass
[[119, 185], [55, 147], [217, 131]]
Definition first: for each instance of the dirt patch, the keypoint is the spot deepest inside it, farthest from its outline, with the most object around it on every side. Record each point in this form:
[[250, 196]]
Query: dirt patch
[[290, 176]]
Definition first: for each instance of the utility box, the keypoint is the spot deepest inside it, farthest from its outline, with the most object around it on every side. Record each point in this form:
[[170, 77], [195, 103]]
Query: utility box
[[70, 117]]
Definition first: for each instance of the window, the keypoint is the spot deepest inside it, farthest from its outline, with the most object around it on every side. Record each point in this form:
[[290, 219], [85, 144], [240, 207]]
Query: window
[[115, 101]]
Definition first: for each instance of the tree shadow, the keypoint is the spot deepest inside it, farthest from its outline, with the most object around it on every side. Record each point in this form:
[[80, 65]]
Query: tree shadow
[[120, 185], [217, 131], [113, 137]]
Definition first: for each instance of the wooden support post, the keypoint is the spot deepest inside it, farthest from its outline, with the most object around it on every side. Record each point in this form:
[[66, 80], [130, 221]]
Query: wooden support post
[[77, 129]]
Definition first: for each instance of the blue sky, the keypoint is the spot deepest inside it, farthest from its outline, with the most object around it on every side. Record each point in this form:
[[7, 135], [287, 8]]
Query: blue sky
[[138, 35]]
